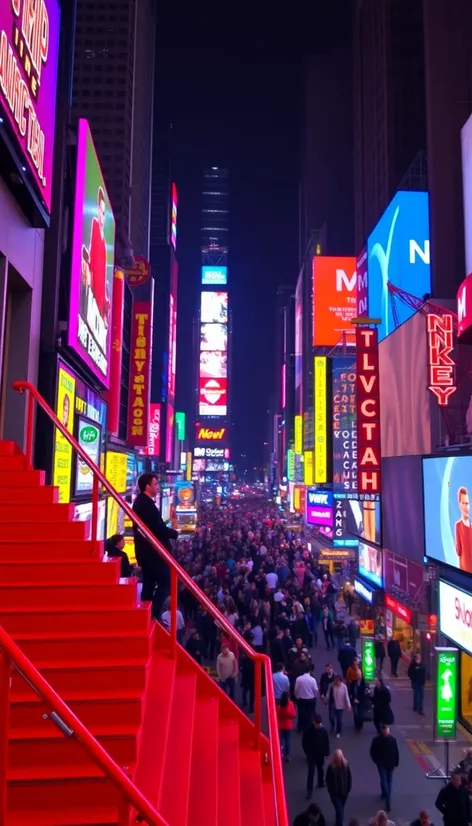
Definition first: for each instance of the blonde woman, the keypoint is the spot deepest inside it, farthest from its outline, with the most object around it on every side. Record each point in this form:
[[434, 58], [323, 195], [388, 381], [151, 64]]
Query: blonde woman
[[339, 783]]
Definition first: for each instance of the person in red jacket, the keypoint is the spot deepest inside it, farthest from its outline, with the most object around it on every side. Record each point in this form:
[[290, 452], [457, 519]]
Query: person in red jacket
[[286, 715]]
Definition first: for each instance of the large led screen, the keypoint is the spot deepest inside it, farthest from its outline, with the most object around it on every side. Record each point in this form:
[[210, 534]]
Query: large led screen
[[214, 275], [93, 250], [334, 300], [398, 254], [29, 48], [370, 564], [466, 138], [447, 486], [214, 308], [214, 337], [212, 397], [213, 365], [298, 335], [364, 519], [402, 506]]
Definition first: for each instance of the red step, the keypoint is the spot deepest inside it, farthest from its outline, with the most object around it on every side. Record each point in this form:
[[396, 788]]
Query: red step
[[14, 461], [94, 647], [28, 512], [123, 679], [204, 771], [9, 448], [22, 478], [26, 752], [50, 572], [173, 804], [252, 799], [35, 495], [30, 532], [229, 797], [107, 711], [56, 802], [52, 548], [64, 624], [67, 596]]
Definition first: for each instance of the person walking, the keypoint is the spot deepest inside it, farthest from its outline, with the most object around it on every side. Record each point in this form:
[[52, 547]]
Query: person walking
[[227, 670], [328, 627], [379, 653], [381, 819], [341, 702], [339, 784], [423, 820], [281, 682], [384, 753], [310, 817], [327, 678], [357, 695], [315, 744], [381, 700], [306, 692], [347, 655], [286, 715], [453, 801], [394, 652], [417, 675]]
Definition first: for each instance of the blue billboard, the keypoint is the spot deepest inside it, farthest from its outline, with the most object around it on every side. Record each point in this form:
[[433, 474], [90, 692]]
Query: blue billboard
[[398, 253], [214, 275]]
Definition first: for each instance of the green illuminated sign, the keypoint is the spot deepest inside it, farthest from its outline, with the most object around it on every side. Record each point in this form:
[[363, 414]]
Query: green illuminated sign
[[445, 712], [368, 659], [180, 426], [290, 465]]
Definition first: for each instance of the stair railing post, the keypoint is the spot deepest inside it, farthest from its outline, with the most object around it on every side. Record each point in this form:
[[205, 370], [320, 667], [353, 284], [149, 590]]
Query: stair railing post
[[95, 489], [29, 429], [257, 701], [4, 724], [174, 598], [123, 812]]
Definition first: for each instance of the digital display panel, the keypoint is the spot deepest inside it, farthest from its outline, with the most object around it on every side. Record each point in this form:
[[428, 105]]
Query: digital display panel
[[344, 424], [214, 337], [213, 365], [398, 253], [93, 251], [298, 335], [214, 276], [89, 439], [319, 507], [341, 538], [466, 142], [364, 519], [370, 564], [446, 492], [214, 308], [334, 300], [213, 397]]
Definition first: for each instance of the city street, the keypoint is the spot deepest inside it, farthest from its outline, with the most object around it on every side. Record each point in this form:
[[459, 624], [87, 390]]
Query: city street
[[412, 791]]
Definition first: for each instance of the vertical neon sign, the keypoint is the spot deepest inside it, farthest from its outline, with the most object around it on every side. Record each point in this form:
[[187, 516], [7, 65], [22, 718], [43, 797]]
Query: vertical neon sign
[[440, 364], [173, 218]]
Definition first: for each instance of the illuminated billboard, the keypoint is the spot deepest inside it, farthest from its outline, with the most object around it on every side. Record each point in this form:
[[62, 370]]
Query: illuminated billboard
[[214, 276], [214, 308], [93, 251], [334, 299], [209, 434], [344, 415], [321, 421], [361, 283], [298, 337], [140, 374], [173, 218], [399, 254], [441, 367], [213, 365], [368, 410], [29, 48], [298, 430], [214, 337], [212, 399]]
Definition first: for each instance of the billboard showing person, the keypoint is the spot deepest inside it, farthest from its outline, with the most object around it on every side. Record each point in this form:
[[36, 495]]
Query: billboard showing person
[[448, 529]]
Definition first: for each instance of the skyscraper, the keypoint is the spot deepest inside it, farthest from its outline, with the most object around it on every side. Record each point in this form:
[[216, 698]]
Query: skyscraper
[[215, 216]]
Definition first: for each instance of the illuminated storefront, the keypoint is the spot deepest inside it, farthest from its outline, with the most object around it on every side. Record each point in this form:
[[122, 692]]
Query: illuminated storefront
[[455, 611], [399, 624]]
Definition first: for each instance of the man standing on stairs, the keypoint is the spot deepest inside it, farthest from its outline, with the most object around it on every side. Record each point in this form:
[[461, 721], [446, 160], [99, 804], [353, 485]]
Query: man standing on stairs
[[156, 574]]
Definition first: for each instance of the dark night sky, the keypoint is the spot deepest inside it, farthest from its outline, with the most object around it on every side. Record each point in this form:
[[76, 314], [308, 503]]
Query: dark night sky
[[231, 84]]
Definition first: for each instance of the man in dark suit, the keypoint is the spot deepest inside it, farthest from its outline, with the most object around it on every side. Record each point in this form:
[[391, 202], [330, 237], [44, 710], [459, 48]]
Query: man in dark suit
[[156, 574]]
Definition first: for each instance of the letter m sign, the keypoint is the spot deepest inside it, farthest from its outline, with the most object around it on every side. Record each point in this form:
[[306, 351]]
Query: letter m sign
[[345, 283]]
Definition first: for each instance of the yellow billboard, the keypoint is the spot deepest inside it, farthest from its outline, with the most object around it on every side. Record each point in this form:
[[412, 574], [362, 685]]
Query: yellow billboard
[[308, 468], [298, 435], [321, 422], [65, 406]]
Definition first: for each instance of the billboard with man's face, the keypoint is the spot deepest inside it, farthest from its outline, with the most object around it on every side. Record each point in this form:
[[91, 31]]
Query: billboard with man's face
[[447, 489], [93, 250]]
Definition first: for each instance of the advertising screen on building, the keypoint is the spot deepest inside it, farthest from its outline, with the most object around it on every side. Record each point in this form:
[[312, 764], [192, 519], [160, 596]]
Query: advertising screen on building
[[334, 300], [214, 276], [344, 424], [321, 420], [319, 507], [214, 337], [464, 310], [466, 140], [447, 518], [298, 337], [173, 218], [341, 538], [93, 250], [368, 411], [29, 48], [212, 397], [398, 254], [140, 374], [214, 308], [213, 365], [364, 519], [370, 563], [361, 284], [89, 439], [455, 612]]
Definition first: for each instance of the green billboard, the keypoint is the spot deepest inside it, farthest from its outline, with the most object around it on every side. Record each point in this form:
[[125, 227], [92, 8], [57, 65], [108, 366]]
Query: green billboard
[[180, 425], [445, 707], [368, 659]]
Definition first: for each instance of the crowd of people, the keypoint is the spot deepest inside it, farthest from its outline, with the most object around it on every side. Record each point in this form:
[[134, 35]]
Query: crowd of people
[[265, 579]]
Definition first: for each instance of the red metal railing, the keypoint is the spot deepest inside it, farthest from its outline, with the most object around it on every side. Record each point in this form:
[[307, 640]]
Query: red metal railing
[[261, 661]]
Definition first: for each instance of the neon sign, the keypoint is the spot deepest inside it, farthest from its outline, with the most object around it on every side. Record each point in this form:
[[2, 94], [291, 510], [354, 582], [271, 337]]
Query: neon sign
[[173, 220], [440, 364], [206, 434], [368, 410]]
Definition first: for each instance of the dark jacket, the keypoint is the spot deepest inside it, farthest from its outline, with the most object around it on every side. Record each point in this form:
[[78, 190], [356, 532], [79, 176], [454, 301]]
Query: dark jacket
[[346, 657], [315, 743], [357, 691], [325, 682], [417, 674], [339, 781], [194, 648], [454, 805], [384, 752], [381, 699], [147, 511], [277, 651], [303, 819], [394, 650]]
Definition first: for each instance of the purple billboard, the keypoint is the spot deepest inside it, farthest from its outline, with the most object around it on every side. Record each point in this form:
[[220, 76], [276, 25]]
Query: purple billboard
[[29, 47], [93, 252], [404, 577], [319, 508], [402, 506]]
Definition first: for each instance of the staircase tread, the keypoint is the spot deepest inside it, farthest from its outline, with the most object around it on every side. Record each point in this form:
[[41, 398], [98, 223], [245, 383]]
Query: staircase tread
[[58, 771], [229, 798], [175, 792], [48, 731], [204, 768], [45, 561], [90, 665], [75, 609], [56, 586], [85, 696], [80, 635], [97, 816], [252, 798]]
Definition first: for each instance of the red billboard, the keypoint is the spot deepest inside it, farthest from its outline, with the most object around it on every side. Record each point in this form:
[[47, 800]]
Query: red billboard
[[140, 373], [368, 411], [114, 393], [441, 367], [334, 300], [464, 310], [139, 273], [212, 397], [361, 283]]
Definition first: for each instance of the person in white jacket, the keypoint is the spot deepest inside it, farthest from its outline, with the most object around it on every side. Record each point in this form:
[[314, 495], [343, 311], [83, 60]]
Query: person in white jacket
[[340, 696]]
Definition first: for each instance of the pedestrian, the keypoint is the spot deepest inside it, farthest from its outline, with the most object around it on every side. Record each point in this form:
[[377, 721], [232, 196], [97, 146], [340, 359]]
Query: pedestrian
[[453, 801], [312, 815], [347, 655], [381, 819], [247, 669], [417, 675], [285, 715], [352, 671], [394, 653], [194, 646], [327, 678], [281, 682], [114, 547], [379, 653], [227, 670], [315, 744], [340, 695], [384, 753], [357, 694], [339, 783], [381, 700], [328, 627], [306, 692], [423, 820]]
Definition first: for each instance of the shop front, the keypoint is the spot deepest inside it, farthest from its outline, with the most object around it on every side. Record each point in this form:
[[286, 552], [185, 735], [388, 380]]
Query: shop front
[[368, 604], [455, 625], [400, 625], [407, 604]]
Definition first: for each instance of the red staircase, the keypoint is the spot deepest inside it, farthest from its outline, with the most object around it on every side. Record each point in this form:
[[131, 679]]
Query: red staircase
[[106, 717]]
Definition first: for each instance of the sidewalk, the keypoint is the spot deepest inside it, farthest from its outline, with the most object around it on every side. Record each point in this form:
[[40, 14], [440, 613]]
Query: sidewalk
[[412, 791]]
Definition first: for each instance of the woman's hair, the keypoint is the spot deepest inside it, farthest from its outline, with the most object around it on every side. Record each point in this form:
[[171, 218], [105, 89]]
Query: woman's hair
[[338, 759], [381, 818], [284, 699]]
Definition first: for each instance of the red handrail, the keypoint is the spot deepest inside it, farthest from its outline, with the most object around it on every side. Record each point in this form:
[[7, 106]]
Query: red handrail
[[177, 573]]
